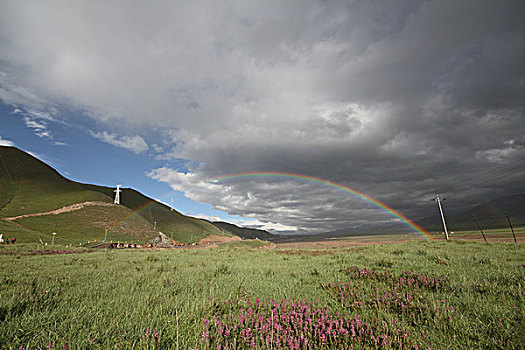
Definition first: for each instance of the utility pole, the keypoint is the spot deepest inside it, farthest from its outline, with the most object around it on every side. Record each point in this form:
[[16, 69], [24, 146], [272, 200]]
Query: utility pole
[[511, 228], [480, 229], [439, 200]]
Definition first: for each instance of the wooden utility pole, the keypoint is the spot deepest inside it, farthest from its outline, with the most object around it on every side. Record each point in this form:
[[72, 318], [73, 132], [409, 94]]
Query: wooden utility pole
[[439, 200], [511, 228], [479, 226]]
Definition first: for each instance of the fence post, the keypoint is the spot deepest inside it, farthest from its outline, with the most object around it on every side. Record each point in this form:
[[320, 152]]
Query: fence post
[[479, 226], [511, 228]]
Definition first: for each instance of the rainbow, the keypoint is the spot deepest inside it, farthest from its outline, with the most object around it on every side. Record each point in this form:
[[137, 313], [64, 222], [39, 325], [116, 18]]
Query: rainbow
[[377, 203], [389, 210], [134, 212]]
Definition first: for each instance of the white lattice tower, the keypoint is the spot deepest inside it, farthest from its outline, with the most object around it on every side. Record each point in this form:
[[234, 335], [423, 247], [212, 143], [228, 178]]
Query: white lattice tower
[[117, 195]]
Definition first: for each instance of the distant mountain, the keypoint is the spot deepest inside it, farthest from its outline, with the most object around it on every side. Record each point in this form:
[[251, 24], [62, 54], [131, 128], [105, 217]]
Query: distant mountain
[[491, 214], [251, 233], [246, 233], [513, 205], [31, 192]]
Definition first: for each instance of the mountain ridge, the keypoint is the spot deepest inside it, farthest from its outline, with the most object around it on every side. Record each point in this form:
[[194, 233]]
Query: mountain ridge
[[245, 232], [29, 186]]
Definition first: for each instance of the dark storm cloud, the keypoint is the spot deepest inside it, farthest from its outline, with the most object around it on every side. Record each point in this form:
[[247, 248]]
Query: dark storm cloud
[[392, 100]]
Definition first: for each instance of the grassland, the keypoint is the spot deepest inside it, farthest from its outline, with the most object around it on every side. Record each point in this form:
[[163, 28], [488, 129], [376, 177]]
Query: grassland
[[461, 295]]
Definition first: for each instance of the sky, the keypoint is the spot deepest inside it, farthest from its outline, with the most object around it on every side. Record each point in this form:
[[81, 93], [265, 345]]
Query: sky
[[392, 99]]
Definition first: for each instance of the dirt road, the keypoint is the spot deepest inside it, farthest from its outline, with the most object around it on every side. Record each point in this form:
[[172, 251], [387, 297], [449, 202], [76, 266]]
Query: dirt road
[[65, 209]]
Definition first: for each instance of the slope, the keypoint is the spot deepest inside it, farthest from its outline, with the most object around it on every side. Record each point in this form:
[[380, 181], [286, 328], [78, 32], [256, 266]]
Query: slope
[[90, 224], [28, 187], [174, 224], [246, 233]]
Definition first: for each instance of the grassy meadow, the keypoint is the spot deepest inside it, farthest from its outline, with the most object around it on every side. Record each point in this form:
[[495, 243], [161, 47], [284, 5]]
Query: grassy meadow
[[419, 294]]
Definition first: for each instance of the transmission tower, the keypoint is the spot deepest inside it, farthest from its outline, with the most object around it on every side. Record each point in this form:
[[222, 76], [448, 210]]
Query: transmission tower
[[117, 195]]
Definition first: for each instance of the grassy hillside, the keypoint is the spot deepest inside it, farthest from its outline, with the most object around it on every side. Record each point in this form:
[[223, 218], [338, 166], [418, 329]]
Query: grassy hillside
[[29, 186], [22, 234], [80, 226], [171, 222]]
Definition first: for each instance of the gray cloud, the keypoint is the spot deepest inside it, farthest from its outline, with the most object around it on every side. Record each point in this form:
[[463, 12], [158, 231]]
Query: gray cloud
[[390, 100]]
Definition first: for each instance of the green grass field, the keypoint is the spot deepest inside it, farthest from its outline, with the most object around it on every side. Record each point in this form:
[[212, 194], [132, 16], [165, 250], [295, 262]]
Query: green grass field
[[79, 226], [459, 295]]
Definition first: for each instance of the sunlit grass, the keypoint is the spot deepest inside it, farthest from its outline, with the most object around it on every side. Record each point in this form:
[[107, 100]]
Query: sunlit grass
[[162, 299]]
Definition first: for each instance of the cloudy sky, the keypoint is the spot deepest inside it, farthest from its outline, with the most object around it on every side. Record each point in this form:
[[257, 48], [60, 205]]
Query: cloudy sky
[[389, 98]]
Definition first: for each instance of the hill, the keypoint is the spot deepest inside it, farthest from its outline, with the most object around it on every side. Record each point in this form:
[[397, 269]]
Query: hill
[[35, 200], [27, 185], [169, 221], [245, 233]]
